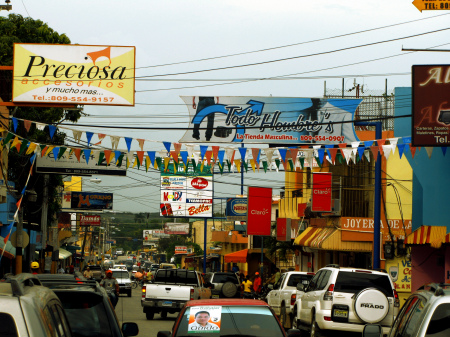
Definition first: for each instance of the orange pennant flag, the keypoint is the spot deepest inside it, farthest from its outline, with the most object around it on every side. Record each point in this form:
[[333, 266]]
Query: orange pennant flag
[[141, 143], [27, 125], [215, 151], [374, 152], [208, 155], [333, 152], [294, 152], [413, 150], [342, 146], [174, 155], [107, 156], [140, 155], [77, 152], [177, 147]]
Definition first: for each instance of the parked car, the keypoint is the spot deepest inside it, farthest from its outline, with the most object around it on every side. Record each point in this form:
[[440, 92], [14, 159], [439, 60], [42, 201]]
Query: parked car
[[226, 317], [425, 313], [87, 306], [170, 290], [226, 285], [284, 294], [123, 278], [345, 299], [29, 309]]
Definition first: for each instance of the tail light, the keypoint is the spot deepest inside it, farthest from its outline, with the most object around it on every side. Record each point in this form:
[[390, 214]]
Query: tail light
[[192, 294], [328, 296], [293, 298], [396, 299], [144, 291]]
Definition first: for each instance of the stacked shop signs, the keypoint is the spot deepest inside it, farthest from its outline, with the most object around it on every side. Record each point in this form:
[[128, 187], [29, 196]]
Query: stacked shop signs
[[186, 194], [78, 201]]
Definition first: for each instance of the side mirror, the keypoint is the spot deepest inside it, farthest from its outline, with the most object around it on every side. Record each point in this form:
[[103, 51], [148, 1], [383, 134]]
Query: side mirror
[[163, 334], [130, 329], [294, 333], [301, 287], [270, 286], [372, 330]]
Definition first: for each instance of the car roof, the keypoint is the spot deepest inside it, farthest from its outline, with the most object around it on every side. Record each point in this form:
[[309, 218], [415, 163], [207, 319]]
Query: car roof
[[226, 301]]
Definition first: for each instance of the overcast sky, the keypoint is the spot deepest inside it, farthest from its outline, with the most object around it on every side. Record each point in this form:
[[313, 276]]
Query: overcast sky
[[176, 31]]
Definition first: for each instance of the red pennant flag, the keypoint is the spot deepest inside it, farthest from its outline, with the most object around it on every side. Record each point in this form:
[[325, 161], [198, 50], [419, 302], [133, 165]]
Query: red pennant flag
[[294, 154], [77, 153], [177, 147], [374, 152], [27, 124], [342, 146], [208, 155], [215, 151], [380, 147], [381, 142], [44, 151], [107, 156], [255, 153], [333, 151], [413, 150], [174, 155], [140, 155]]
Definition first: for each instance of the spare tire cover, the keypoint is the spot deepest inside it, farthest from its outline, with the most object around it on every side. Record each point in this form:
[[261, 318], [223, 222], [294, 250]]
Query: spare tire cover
[[229, 289], [371, 305]]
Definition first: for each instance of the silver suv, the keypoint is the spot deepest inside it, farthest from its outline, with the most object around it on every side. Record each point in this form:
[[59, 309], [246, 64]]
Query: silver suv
[[345, 299], [29, 309], [425, 313]]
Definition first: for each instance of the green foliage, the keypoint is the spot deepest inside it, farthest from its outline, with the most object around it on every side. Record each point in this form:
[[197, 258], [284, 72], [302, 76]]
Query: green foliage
[[280, 247], [167, 245]]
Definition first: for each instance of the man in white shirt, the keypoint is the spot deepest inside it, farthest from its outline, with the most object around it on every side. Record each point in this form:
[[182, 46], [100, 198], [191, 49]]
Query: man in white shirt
[[201, 322]]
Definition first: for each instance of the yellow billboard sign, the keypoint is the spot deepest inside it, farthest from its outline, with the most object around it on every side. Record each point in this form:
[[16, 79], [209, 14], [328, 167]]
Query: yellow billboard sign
[[74, 74]]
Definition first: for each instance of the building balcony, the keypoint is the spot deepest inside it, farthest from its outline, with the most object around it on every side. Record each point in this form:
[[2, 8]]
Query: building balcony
[[223, 236]]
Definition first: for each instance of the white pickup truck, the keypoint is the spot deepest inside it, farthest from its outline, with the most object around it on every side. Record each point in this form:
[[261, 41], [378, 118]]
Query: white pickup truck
[[170, 289], [284, 293]]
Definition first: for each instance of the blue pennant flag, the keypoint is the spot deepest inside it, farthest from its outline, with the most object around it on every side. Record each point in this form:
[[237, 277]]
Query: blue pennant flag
[[401, 148], [321, 153], [152, 156], [361, 151], [15, 123], [368, 144], [184, 157], [89, 137], [243, 152], [32, 158], [87, 155], [167, 146], [444, 150], [406, 140], [220, 156], [128, 140], [203, 149], [282, 153], [117, 154], [55, 152], [52, 130]]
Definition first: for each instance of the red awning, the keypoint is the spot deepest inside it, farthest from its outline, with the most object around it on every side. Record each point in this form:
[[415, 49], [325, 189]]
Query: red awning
[[426, 234], [237, 257]]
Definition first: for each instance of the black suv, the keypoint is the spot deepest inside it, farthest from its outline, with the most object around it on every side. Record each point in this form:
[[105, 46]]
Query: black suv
[[226, 285], [87, 306]]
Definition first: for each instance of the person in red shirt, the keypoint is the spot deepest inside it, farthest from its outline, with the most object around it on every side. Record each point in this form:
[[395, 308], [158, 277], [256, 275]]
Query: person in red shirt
[[257, 283]]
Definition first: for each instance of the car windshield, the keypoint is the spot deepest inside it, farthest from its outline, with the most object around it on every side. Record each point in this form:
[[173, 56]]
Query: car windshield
[[86, 313], [354, 282], [176, 276], [255, 321], [120, 274], [295, 279], [223, 278]]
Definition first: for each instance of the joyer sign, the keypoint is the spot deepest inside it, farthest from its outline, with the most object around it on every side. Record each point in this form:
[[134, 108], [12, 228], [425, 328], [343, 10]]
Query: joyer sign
[[259, 211], [321, 192]]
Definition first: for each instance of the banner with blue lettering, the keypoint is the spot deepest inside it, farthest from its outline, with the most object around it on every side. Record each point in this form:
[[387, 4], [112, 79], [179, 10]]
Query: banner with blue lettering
[[275, 120]]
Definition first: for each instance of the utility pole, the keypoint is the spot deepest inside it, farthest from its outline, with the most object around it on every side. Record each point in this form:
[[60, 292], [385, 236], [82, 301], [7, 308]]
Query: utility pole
[[44, 216]]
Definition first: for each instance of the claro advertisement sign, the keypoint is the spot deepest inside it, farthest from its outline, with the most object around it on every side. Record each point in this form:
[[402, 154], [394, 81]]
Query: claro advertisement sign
[[321, 192], [259, 211], [74, 74]]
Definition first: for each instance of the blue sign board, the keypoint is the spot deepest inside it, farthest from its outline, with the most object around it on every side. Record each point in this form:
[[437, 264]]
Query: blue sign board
[[236, 209]]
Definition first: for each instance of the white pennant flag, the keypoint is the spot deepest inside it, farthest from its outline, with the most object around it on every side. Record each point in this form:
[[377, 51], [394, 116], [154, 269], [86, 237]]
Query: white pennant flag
[[393, 142], [367, 155], [355, 144], [77, 135], [40, 126], [114, 141], [316, 147], [429, 151], [95, 154], [190, 150], [269, 154], [196, 156], [387, 150], [347, 153], [130, 158], [229, 152]]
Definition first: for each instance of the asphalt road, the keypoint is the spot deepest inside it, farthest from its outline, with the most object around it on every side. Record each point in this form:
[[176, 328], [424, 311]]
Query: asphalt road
[[129, 309]]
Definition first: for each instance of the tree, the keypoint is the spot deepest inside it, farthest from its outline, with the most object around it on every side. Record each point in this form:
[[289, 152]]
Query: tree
[[17, 29], [280, 247]]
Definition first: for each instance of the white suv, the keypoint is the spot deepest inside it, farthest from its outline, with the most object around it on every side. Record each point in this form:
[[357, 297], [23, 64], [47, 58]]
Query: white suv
[[345, 299]]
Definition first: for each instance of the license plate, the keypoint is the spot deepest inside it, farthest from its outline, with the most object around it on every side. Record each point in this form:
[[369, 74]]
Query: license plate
[[215, 296], [167, 303], [340, 313]]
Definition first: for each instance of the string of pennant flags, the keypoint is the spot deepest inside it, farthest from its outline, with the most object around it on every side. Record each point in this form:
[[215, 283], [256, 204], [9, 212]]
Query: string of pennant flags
[[289, 157]]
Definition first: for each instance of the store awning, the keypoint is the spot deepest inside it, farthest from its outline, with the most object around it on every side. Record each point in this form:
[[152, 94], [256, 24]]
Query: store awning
[[320, 236], [438, 243], [10, 251], [426, 234], [237, 257], [305, 236], [64, 254], [333, 241]]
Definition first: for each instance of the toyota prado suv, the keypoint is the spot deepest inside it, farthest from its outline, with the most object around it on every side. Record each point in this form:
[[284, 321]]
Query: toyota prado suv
[[345, 299]]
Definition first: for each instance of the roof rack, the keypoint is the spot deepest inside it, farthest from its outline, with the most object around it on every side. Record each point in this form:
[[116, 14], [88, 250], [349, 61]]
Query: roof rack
[[19, 282], [332, 265]]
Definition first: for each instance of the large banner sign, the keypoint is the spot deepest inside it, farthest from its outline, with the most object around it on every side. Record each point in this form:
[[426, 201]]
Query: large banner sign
[[431, 105], [176, 228], [281, 120], [73, 74], [321, 192], [186, 194], [91, 200], [259, 212], [90, 220]]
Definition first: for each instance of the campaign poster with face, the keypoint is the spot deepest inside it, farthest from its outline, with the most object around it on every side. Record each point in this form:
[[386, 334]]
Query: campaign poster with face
[[205, 319]]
